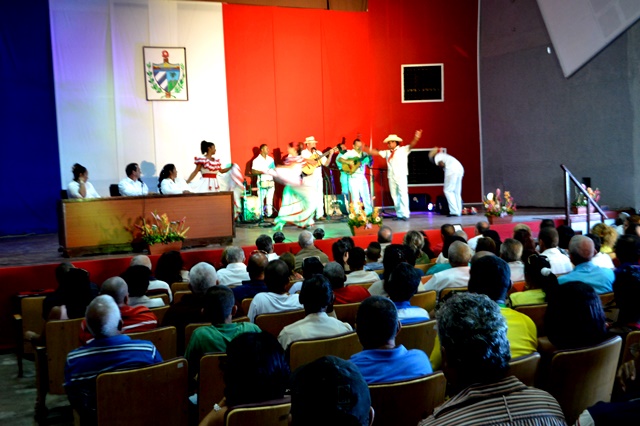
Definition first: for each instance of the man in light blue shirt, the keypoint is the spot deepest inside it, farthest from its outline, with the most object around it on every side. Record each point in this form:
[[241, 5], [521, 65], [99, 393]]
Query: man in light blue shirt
[[581, 250]]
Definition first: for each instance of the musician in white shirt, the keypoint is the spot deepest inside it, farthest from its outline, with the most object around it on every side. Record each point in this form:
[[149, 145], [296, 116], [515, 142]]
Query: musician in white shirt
[[316, 159], [266, 185], [356, 160]]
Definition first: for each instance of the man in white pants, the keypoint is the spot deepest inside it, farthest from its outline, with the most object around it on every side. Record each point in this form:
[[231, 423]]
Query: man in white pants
[[397, 171], [316, 159], [358, 186], [453, 173], [266, 186]]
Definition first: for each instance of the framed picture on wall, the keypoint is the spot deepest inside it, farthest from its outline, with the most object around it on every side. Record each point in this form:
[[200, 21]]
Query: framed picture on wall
[[165, 72], [422, 83]]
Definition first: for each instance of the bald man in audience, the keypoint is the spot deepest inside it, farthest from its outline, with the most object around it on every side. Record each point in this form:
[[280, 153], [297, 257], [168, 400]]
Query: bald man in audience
[[511, 252], [582, 250], [457, 276], [108, 351], [385, 236], [134, 318], [308, 249], [154, 284]]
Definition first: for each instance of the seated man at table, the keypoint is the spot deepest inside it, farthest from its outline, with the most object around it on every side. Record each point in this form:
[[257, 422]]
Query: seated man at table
[[402, 285], [132, 185], [109, 351], [381, 360], [276, 299]]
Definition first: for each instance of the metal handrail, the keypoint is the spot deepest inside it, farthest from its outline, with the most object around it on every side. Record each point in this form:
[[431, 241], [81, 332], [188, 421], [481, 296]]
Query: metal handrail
[[568, 179]]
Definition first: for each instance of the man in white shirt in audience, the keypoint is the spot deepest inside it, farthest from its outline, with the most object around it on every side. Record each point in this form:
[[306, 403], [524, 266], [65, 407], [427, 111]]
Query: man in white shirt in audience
[[511, 252], [154, 284], [132, 185], [265, 243], [548, 241], [356, 261], [479, 229], [276, 299], [236, 271], [456, 277]]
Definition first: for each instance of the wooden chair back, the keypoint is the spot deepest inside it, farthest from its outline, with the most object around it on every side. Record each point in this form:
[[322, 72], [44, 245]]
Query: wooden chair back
[[579, 378], [379, 271], [425, 300], [210, 382], [525, 368], [305, 351], [164, 339], [607, 299], [444, 294], [347, 312], [241, 319], [177, 297], [363, 285], [421, 335], [160, 312], [274, 323], [153, 395], [536, 313], [62, 337], [245, 304], [423, 267], [389, 400], [31, 313], [189, 329], [631, 346], [270, 413], [180, 286], [163, 296]]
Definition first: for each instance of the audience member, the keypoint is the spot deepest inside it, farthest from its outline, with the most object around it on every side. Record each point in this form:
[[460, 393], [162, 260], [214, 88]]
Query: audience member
[[255, 371], [539, 281], [358, 275], [310, 266], [169, 267], [444, 256], [581, 249], [528, 245], [381, 360], [547, 223], [548, 242], [154, 283], [265, 243], [373, 253], [218, 309], [457, 276], [621, 222], [626, 289], [330, 391], [109, 351], [278, 237], [460, 233], [490, 233], [401, 286], [446, 230], [255, 284], [235, 270], [608, 236], [134, 318], [565, 233], [475, 350], [394, 255], [305, 241], [426, 247], [415, 241], [627, 250], [343, 293], [316, 296], [511, 252], [290, 259], [275, 299], [349, 241], [385, 235], [340, 252], [478, 230], [137, 278], [600, 259], [487, 244], [318, 233]]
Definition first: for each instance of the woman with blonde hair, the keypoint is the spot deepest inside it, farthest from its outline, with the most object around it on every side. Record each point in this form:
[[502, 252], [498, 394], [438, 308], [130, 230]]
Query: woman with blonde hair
[[608, 235]]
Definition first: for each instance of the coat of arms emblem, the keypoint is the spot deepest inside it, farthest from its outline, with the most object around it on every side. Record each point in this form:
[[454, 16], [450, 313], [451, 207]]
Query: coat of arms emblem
[[166, 80]]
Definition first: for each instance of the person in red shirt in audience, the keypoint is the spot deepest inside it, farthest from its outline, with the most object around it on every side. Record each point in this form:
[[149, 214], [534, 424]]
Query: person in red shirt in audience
[[349, 294], [134, 318]]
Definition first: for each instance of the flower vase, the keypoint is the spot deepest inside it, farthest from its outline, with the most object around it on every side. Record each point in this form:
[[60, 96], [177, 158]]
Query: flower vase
[[160, 248], [357, 232], [582, 209], [495, 220]]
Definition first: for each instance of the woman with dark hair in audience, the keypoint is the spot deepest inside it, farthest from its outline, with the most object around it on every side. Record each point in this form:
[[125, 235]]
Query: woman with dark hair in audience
[[170, 183], [565, 233], [490, 233], [394, 255], [80, 187], [539, 281], [255, 372], [426, 247], [340, 251], [290, 259], [626, 290], [415, 241], [169, 267], [528, 245]]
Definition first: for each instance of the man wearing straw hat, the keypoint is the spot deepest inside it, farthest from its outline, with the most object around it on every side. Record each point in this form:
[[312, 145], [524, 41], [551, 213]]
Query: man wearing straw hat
[[316, 159], [397, 171]]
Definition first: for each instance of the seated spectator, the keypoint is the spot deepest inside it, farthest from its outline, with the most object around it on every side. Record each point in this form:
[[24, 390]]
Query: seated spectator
[[565, 233], [330, 391], [444, 256], [134, 318], [255, 371], [600, 259], [385, 236], [548, 242], [475, 349], [154, 283], [528, 245], [305, 241], [349, 241], [511, 252], [358, 275], [218, 309], [278, 237], [275, 299], [490, 233], [343, 293], [487, 244], [340, 252], [381, 360], [457, 276], [265, 243], [255, 284], [318, 233], [373, 254], [539, 281], [627, 251], [169, 268], [608, 236], [402, 285], [426, 247], [236, 271], [446, 230], [626, 289], [289, 258], [310, 266], [109, 351], [137, 279], [394, 255], [582, 250], [415, 241], [547, 223], [478, 230], [316, 296]]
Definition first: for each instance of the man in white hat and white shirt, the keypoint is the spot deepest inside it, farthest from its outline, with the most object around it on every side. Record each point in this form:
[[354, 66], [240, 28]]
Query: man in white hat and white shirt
[[453, 173], [397, 171], [314, 158]]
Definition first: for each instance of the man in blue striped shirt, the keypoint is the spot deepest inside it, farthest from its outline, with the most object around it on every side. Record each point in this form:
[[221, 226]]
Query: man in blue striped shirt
[[109, 351]]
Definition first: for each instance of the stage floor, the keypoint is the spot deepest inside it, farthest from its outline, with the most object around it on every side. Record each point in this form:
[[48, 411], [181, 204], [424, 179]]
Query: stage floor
[[43, 249]]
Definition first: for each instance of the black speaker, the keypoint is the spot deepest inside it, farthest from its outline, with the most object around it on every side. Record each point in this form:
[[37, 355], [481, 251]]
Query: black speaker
[[442, 206], [419, 202]]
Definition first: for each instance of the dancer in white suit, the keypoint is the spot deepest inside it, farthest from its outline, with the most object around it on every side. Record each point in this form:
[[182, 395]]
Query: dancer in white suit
[[453, 173]]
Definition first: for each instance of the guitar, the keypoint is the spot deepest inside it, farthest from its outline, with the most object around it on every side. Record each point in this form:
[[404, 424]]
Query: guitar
[[308, 169], [351, 168]]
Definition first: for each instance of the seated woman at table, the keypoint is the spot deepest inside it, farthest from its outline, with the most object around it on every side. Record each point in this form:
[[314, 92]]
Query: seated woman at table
[[170, 183], [80, 187]]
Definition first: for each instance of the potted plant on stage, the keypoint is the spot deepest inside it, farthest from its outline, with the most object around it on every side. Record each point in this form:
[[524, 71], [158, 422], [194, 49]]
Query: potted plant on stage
[[163, 235], [361, 223], [580, 203], [498, 210]]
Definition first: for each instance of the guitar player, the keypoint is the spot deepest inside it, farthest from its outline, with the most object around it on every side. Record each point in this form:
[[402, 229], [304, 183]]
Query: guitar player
[[353, 164], [315, 159]]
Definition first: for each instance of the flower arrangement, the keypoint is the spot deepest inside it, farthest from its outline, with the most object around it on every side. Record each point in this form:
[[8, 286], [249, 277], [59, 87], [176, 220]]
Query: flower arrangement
[[495, 206], [359, 219], [581, 199], [162, 230]]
